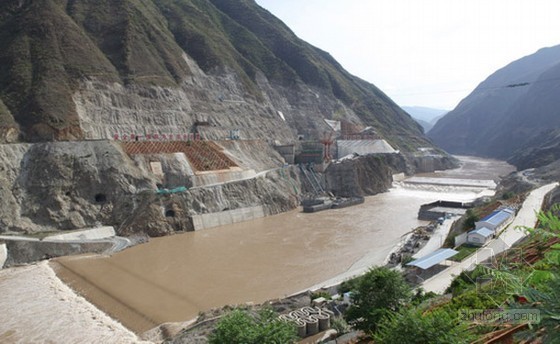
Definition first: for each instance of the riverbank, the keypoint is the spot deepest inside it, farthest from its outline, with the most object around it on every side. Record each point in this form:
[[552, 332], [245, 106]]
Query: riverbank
[[37, 307]]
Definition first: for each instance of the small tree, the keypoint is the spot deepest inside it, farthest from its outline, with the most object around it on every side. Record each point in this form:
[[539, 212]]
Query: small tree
[[470, 220], [240, 327], [237, 327], [410, 326], [379, 291]]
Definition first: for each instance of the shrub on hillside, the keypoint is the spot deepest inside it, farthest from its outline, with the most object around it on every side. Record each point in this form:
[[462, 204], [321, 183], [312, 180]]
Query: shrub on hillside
[[411, 326], [240, 327], [378, 292]]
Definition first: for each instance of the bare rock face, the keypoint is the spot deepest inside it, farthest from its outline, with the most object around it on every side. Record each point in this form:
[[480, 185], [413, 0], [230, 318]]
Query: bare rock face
[[73, 185], [11, 157], [366, 175], [158, 215], [65, 185]]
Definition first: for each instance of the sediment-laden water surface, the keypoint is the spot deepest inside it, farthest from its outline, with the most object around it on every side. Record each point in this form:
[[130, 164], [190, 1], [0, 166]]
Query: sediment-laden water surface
[[173, 278]]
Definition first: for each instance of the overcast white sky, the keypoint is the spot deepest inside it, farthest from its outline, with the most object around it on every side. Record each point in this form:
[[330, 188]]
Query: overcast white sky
[[423, 52]]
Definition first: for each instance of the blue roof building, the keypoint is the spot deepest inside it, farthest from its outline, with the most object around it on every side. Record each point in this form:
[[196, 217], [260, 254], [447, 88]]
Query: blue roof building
[[496, 220], [480, 236]]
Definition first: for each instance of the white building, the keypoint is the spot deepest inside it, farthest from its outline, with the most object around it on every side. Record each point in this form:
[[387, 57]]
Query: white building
[[479, 237]]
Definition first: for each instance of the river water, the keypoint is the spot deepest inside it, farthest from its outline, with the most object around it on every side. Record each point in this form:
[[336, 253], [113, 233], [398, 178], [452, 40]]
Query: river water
[[173, 278]]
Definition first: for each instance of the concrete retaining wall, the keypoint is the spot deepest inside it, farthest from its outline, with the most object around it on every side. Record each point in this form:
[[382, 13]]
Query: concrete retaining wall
[[3, 255], [227, 217], [17, 238], [24, 252], [89, 234], [461, 239]]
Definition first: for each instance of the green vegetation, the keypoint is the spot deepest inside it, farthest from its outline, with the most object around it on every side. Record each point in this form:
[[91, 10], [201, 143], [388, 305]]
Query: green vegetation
[[340, 325], [472, 217], [319, 294], [464, 252], [377, 293], [406, 258], [508, 195], [411, 326], [240, 327]]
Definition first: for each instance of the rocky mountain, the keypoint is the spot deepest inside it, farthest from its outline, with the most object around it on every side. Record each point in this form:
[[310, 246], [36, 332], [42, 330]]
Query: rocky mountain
[[94, 69], [514, 113]]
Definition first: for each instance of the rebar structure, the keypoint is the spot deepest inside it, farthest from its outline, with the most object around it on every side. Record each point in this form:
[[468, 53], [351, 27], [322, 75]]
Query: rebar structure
[[202, 155]]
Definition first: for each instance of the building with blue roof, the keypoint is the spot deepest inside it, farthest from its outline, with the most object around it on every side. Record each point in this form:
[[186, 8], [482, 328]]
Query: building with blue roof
[[480, 237], [497, 220]]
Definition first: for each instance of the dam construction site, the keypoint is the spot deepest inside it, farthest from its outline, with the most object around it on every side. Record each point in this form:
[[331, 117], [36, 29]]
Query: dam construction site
[[192, 171], [228, 204], [146, 187], [101, 197]]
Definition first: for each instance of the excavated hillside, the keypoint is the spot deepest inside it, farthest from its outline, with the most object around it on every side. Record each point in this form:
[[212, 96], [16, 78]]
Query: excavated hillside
[[95, 69], [55, 186]]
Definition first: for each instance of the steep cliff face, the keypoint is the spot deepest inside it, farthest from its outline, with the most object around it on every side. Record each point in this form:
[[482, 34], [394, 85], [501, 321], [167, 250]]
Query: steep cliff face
[[540, 151], [371, 174], [65, 185], [73, 185], [85, 69], [367, 175]]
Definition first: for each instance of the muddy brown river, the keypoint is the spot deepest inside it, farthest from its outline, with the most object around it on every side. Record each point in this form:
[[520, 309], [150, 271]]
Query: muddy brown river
[[173, 278]]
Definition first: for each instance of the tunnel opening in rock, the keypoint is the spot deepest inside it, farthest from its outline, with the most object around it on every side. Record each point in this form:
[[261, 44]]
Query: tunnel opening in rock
[[100, 198], [170, 213]]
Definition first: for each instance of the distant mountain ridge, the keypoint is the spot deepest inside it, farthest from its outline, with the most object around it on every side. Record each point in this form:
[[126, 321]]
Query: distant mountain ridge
[[86, 69], [425, 116], [512, 111]]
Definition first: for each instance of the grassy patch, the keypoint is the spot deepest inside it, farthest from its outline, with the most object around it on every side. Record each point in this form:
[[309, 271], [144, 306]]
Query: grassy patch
[[464, 252]]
